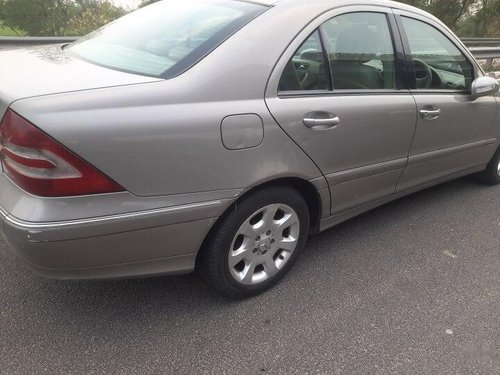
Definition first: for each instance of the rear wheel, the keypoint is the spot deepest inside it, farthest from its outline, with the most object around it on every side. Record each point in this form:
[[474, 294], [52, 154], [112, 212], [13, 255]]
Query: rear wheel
[[491, 175], [256, 243]]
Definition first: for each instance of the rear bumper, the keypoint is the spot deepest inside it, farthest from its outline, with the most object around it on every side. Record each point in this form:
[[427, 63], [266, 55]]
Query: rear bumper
[[151, 242]]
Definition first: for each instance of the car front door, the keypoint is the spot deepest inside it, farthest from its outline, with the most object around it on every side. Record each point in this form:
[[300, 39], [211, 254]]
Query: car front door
[[337, 92], [452, 127]]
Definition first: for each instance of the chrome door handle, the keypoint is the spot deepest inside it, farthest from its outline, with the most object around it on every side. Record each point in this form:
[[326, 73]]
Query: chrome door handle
[[430, 114], [312, 122]]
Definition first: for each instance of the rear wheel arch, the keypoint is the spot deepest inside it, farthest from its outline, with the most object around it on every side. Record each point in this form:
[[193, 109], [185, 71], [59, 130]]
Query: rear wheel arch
[[305, 188]]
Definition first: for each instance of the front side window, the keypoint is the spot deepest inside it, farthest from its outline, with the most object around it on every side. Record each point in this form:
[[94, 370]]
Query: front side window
[[166, 38], [354, 51], [438, 63]]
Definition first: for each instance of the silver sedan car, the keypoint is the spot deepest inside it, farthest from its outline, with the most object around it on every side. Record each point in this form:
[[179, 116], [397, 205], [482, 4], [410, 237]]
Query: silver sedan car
[[217, 135]]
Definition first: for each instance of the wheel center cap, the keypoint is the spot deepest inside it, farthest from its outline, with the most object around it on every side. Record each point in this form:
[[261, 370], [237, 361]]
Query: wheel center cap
[[264, 245]]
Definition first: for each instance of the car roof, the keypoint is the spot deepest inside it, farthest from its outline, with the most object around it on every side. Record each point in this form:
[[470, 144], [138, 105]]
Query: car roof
[[329, 3], [263, 2], [391, 3]]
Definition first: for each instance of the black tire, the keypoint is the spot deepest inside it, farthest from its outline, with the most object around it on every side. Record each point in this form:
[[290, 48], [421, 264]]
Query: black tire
[[213, 262], [491, 175]]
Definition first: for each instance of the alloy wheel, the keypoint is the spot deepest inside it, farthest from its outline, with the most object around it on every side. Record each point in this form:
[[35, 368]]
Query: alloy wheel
[[263, 244]]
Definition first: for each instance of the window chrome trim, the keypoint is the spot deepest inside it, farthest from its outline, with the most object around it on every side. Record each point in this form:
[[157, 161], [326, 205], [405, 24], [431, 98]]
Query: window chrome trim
[[440, 92], [354, 92]]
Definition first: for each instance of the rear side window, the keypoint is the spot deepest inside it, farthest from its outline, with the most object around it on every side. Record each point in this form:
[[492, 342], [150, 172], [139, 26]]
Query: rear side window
[[353, 51], [360, 51], [307, 69], [166, 38]]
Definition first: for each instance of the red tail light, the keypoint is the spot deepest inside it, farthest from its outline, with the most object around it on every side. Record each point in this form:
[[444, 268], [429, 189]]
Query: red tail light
[[42, 166]]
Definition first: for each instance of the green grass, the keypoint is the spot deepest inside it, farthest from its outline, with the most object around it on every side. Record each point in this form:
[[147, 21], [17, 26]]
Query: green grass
[[5, 31]]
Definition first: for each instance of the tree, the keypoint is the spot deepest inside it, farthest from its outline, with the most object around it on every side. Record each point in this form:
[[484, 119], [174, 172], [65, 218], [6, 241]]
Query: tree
[[486, 22], [473, 18], [451, 12], [91, 15], [58, 17], [146, 2], [36, 17]]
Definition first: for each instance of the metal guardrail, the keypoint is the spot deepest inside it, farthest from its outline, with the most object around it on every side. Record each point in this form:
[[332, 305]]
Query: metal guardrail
[[491, 42], [484, 49], [10, 42], [486, 53]]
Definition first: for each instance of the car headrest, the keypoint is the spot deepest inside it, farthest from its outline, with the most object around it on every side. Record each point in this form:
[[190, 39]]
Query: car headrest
[[357, 43]]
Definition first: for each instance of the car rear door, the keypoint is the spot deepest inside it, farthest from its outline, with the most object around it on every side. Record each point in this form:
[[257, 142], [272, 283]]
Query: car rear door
[[338, 92], [452, 127]]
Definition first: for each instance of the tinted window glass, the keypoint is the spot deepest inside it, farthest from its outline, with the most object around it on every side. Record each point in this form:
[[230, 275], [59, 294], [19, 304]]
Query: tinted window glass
[[360, 50], [165, 38], [306, 70], [438, 63]]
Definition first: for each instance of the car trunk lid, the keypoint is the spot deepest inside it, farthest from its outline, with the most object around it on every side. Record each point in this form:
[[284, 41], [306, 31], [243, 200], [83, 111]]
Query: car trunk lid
[[49, 70]]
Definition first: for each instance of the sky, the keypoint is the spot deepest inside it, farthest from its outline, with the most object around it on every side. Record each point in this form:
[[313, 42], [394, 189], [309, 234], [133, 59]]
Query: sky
[[130, 4]]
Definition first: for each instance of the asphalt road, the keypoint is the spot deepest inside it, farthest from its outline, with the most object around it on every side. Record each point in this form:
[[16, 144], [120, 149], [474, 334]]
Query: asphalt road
[[409, 288]]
